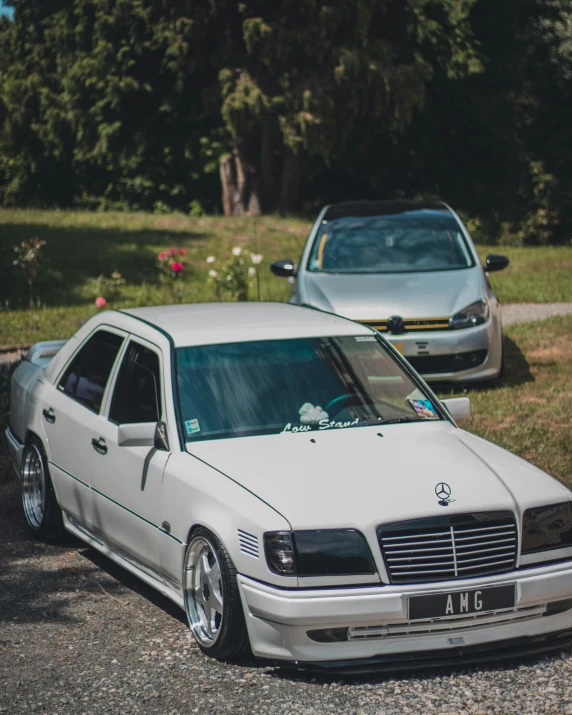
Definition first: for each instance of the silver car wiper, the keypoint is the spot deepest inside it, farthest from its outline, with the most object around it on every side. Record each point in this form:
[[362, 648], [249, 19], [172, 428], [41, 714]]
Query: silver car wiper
[[395, 420]]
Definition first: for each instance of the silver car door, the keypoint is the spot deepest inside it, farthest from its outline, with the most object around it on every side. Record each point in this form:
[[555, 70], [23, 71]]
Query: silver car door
[[127, 479], [69, 411]]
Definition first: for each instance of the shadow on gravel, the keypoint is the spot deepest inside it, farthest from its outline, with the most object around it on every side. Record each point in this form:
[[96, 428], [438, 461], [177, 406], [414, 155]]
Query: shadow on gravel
[[38, 582], [128, 580], [428, 673]]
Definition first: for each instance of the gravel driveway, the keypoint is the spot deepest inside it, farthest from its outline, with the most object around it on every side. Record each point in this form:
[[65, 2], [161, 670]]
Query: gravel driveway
[[80, 635], [525, 312]]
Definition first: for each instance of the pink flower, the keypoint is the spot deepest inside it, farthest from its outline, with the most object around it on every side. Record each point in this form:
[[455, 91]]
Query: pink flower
[[177, 267], [171, 251], [162, 256], [100, 302], [181, 251]]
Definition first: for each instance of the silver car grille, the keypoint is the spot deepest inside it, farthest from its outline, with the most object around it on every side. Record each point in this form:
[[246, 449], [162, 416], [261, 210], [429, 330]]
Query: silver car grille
[[448, 548], [447, 624]]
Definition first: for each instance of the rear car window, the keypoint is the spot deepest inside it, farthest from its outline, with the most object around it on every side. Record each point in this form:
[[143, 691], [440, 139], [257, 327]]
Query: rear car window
[[87, 375]]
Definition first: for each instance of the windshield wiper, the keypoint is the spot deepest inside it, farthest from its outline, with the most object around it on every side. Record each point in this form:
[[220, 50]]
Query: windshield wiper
[[395, 420]]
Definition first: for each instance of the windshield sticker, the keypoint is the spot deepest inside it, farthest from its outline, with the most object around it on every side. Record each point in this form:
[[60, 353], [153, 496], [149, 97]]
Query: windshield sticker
[[365, 338], [322, 424], [310, 414], [192, 426], [424, 409]]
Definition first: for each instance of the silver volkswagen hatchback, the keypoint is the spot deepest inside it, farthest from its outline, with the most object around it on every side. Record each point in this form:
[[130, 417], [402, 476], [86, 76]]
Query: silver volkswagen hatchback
[[409, 270]]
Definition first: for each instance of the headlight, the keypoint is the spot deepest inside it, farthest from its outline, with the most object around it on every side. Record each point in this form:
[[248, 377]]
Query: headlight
[[475, 314], [328, 552], [547, 527]]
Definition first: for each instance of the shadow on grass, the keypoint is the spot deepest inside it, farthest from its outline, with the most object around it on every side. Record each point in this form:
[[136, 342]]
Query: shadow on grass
[[74, 254], [517, 369], [516, 372]]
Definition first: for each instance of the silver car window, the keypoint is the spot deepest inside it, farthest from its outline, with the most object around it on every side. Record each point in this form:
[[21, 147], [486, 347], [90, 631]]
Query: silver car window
[[408, 242]]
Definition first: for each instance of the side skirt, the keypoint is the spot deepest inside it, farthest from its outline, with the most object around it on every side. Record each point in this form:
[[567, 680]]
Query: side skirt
[[175, 595]]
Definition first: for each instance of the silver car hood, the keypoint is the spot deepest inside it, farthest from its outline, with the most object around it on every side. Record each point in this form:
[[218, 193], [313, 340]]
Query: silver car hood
[[354, 478], [378, 296]]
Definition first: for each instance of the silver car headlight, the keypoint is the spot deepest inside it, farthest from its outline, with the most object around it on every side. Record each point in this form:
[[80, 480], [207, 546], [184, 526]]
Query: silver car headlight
[[475, 314], [325, 552]]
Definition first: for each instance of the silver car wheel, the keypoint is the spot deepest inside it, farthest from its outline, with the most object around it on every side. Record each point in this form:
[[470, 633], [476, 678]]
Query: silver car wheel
[[203, 591], [33, 486]]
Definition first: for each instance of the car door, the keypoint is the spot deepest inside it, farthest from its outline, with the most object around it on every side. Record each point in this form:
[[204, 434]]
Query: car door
[[69, 412], [127, 480]]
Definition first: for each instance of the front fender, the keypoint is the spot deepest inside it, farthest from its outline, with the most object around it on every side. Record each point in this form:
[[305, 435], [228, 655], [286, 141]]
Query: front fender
[[196, 494]]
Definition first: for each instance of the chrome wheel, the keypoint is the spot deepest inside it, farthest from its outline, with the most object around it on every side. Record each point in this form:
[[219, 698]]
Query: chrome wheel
[[33, 486], [203, 591]]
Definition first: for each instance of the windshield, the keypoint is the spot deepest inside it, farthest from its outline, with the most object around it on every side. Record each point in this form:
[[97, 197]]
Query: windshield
[[292, 386], [408, 242]]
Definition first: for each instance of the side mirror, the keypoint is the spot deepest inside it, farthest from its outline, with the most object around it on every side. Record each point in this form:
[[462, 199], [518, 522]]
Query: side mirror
[[161, 440], [495, 262], [283, 269], [140, 434], [458, 407]]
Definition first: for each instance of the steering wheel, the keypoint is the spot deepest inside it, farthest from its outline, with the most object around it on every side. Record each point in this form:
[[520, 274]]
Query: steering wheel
[[335, 401]]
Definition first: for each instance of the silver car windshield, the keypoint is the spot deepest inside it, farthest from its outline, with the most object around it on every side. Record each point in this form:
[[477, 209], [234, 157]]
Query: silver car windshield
[[293, 386], [408, 242]]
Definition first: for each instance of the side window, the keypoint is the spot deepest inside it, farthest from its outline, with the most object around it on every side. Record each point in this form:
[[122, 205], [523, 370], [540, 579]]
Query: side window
[[137, 393], [86, 377]]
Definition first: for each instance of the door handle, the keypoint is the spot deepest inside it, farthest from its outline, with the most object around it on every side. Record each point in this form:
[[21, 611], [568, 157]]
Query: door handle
[[99, 445], [49, 415]]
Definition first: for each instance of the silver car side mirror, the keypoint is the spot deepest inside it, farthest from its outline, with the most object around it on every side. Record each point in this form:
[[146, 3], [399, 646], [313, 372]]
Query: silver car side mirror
[[140, 434], [458, 407]]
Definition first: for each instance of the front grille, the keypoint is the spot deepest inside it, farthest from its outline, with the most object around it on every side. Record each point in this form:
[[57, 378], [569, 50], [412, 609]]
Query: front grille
[[447, 548], [438, 364], [410, 324]]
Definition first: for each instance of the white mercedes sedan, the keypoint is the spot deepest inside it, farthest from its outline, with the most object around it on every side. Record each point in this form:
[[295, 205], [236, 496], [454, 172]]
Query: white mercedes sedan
[[286, 478]]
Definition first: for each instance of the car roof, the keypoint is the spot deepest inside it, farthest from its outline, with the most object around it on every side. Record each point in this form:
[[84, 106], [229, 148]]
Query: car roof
[[214, 323], [381, 208]]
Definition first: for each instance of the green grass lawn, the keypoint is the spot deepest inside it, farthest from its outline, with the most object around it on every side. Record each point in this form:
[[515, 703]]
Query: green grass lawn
[[82, 245], [530, 414]]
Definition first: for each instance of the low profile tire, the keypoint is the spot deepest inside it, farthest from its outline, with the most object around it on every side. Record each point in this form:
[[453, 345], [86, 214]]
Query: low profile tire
[[41, 509], [212, 600]]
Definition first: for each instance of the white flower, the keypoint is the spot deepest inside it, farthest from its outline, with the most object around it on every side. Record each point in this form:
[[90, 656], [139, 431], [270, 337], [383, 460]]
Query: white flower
[[213, 274], [211, 259], [229, 277], [252, 271], [310, 414], [256, 258], [236, 251]]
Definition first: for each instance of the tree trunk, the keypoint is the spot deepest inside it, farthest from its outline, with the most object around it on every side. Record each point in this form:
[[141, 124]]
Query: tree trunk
[[268, 187], [290, 188], [239, 184]]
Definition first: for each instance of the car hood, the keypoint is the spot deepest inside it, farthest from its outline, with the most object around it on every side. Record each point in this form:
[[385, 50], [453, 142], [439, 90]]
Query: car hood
[[379, 296], [354, 478]]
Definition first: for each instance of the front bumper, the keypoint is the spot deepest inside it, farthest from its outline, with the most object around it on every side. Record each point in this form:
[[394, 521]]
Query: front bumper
[[435, 349], [278, 620]]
